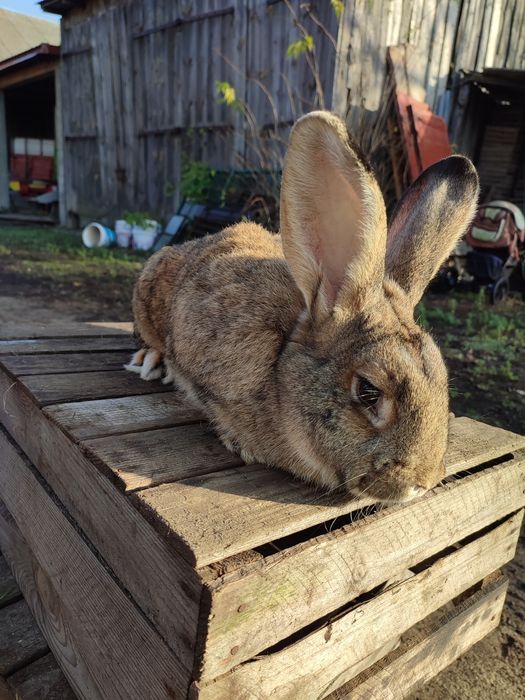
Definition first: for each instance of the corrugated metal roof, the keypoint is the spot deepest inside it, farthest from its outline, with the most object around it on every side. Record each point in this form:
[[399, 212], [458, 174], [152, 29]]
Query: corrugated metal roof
[[19, 33]]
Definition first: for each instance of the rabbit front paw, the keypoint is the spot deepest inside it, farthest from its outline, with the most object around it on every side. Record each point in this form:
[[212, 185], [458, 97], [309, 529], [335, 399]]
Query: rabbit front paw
[[146, 362]]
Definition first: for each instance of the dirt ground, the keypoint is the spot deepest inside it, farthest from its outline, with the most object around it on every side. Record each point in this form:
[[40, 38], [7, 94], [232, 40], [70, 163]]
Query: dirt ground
[[495, 668]]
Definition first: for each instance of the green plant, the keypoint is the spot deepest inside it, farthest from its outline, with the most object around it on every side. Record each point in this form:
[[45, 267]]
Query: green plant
[[296, 48], [196, 181], [227, 94], [140, 219]]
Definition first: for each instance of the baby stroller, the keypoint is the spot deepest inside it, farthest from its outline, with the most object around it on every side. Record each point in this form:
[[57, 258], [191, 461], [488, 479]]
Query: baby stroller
[[496, 248]]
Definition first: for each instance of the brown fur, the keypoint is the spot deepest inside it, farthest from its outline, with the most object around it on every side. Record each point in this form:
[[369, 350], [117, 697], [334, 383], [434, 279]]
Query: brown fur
[[268, 345]]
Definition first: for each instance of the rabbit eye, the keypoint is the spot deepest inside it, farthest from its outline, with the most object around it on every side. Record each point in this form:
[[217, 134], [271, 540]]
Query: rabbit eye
[[366, 393]]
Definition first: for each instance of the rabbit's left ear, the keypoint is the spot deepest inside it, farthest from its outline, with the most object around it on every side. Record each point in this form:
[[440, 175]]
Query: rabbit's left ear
[[432, 215], [333, 221]]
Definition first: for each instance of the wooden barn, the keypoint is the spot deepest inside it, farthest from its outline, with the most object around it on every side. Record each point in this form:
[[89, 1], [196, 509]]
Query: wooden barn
[[140, 83], [29, 57]]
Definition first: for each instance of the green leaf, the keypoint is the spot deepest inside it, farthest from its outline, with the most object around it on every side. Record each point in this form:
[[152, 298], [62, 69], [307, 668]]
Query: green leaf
[[338, 6], [227, 92], [297, 48]]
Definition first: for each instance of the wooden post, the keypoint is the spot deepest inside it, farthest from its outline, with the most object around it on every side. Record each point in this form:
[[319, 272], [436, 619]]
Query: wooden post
[[4, 158], [60, 151]]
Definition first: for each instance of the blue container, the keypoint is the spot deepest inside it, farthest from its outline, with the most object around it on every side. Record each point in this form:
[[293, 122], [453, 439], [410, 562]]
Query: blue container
[[97, 235]]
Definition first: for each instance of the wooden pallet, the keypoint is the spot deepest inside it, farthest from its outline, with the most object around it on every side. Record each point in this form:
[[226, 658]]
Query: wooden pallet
[[158, 566]]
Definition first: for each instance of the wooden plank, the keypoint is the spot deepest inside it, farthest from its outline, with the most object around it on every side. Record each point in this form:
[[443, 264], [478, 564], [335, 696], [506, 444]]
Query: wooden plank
[[164, 586], [11, 330], [433, 647], [270, 600], [253, 505], [41, 680], [20, 639], [59, 388], [61, 363], [53, 345], [9, 590], [98, 418], [146, 459], [86, 617], [325, 659]]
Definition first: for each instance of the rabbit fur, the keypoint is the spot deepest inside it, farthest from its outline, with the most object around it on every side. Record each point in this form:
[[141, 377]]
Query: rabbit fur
[[302, 348]]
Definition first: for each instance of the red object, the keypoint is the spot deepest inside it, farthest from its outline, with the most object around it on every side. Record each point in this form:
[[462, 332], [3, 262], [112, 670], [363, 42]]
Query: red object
[[19, 167], [41, 168], [425, 135]]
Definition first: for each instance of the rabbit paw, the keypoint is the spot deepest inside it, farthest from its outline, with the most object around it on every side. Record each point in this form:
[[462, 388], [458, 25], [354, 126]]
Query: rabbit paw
[[147, 363]]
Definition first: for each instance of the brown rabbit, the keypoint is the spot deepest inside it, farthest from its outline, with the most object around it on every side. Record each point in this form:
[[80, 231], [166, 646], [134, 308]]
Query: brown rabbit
[[302, 348]]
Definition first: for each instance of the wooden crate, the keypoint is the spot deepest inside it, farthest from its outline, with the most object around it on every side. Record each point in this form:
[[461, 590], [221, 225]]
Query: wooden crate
[[158, 566]]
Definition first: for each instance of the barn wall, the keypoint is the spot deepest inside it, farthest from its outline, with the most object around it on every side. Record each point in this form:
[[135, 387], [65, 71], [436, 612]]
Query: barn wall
[[450, 35], [138, 93]]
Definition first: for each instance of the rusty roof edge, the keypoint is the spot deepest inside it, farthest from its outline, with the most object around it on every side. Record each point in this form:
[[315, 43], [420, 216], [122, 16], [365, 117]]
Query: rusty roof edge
[[60, 7], [42, 50]]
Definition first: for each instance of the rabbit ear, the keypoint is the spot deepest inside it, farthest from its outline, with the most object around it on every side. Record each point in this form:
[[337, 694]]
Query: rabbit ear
[[333, 221], [431, 216]]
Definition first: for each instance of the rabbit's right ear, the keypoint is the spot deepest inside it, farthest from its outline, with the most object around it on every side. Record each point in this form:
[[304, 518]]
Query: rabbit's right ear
[[432, 215], [333, 221]]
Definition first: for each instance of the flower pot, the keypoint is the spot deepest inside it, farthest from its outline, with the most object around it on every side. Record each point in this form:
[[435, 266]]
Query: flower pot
[[144, 238], [124, 232]]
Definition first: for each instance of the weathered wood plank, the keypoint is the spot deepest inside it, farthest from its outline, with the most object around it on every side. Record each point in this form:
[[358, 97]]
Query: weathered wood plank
[[59, 388], [9, 590], [146, 459], [65, 363], [98, 418], [85, 615], [54, 345], [20, 639], [272, 599], [41, 680], [432, 648], [14, 330], [253, 505], [336, 652], [170, 597]]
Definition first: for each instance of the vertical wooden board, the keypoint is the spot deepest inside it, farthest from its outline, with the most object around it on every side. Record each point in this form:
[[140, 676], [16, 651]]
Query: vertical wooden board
[[86, 617], [340, 649], [437, 645], [169, 598], [20, 639], [41, 680]]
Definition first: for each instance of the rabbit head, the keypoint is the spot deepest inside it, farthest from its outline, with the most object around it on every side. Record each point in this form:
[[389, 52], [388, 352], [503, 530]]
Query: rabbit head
[[364, 388]]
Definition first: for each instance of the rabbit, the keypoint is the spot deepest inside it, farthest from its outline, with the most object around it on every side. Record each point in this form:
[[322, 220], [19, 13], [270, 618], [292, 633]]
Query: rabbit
[[301, 348]]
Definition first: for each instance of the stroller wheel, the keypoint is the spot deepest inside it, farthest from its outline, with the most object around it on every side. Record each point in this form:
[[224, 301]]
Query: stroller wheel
[[499, 290]]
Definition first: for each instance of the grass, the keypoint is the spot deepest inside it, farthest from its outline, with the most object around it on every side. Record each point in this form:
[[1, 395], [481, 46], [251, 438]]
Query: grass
[[51, 263], [485, 349]]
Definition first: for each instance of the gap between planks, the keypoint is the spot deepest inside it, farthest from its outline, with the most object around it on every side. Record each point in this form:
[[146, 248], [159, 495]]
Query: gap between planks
[[268, 600], [341, 647]]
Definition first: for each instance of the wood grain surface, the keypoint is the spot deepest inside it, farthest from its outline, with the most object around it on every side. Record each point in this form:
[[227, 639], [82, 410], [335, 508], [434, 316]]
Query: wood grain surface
[[163, 585], [86, 617], [334, 653]]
